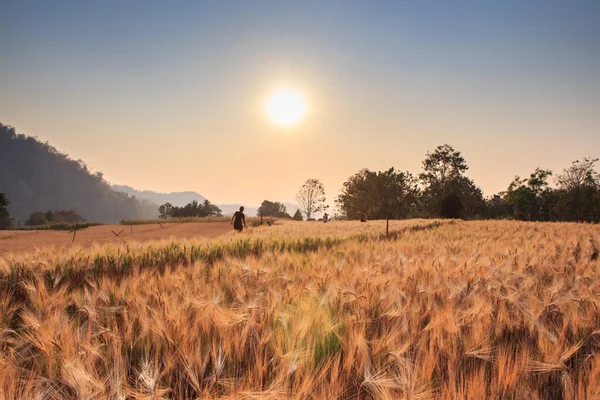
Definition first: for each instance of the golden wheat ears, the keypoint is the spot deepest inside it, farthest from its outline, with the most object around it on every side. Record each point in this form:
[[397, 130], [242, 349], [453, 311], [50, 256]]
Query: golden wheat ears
[[440, 310]]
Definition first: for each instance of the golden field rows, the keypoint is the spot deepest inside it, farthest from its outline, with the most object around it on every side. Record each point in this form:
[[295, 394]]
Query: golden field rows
[[441, 310]]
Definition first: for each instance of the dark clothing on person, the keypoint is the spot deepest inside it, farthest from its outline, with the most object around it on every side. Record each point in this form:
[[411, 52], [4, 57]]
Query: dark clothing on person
[[239, 220]]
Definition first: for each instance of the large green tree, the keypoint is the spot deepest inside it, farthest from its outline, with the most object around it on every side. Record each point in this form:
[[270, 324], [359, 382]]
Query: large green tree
[[353, 200], [389, 194], [579, 191], [531, 198], [442, 166], [443, 179]]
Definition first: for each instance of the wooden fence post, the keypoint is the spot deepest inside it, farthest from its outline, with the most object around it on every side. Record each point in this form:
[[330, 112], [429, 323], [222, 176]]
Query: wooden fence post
[[117, 234]]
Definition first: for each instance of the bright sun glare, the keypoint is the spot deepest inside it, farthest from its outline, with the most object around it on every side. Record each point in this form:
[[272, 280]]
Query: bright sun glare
[[286, 107]]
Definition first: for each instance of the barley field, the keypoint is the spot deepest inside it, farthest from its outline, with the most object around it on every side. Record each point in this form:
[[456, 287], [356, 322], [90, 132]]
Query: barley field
[[305, 310]]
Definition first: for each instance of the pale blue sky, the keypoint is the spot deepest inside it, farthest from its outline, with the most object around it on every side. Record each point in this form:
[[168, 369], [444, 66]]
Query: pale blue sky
[[169, 96]]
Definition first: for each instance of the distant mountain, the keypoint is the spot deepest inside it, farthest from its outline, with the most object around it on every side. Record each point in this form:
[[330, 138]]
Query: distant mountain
[[35, 176], [178, 199]]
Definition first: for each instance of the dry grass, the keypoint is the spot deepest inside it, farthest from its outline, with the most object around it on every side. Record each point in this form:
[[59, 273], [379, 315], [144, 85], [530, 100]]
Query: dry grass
[[444, 310], [103, 236]]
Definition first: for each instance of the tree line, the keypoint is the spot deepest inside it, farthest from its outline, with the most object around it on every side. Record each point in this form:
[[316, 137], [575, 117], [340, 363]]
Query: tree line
[[37, 218], [192, 209], [207, 209], [51, 217], [277, 210], [442, 190]]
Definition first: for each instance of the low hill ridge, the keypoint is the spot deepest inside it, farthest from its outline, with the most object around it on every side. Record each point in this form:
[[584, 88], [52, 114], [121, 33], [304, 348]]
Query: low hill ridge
[[178, 199], [35, 176]]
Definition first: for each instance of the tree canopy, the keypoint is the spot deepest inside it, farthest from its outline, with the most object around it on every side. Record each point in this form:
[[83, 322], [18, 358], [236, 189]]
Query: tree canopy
[[272, 209], [385, 195], [48, 217], [389, 194], [442, 167], [443, 190], [297, 215], [443, 176], [527, 196], [192, 209], [579, 191]]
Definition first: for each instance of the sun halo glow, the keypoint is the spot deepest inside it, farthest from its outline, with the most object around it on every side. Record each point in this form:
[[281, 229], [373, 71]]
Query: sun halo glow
[[286, 107]]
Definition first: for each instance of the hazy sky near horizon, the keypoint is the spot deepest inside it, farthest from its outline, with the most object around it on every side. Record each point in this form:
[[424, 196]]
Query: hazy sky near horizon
[[169, 96]]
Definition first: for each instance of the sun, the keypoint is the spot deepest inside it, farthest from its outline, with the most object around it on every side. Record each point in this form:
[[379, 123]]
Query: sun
[[286, 107]]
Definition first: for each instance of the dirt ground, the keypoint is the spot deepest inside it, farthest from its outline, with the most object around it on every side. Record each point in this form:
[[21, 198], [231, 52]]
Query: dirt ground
[[22, 241]]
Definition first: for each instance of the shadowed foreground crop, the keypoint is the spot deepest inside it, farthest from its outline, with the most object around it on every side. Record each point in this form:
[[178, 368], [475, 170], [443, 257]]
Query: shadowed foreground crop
[[305, 310]]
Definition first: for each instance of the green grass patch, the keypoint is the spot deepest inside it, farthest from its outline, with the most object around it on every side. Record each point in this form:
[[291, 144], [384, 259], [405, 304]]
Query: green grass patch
[[173, 220]]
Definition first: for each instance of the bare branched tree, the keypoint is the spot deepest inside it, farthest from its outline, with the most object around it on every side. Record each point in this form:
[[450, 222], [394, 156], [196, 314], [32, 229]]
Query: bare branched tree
[[311, 198], [579, 174]]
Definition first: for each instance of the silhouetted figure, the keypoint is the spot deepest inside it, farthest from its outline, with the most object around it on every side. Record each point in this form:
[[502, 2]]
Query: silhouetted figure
[[325, 217], [363, 217], [239, 220]]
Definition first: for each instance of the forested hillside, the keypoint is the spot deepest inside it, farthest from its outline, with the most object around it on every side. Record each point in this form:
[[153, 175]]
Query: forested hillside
[[35, 176], [179, 199]]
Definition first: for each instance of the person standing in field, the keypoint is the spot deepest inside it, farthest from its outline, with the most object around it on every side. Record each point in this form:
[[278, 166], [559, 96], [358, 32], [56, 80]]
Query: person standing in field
[[239, 220]]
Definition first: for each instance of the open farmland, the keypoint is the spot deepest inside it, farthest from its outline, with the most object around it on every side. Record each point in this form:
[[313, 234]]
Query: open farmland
[[20, 241], [440, 310]]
